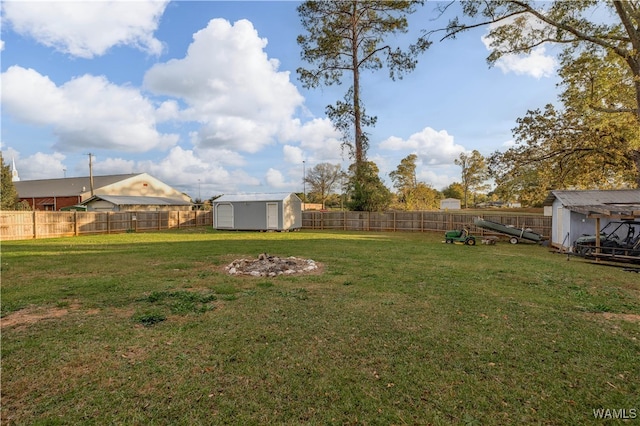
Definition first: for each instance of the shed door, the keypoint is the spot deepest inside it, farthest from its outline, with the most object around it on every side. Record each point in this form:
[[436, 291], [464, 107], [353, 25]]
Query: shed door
[[224, 216], [272, 215], [560, 228]]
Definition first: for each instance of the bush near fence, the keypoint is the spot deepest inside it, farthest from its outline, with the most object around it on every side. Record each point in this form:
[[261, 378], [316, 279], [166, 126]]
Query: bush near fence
[[38, 224]]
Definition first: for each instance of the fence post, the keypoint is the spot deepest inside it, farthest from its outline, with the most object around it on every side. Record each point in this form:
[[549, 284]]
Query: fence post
[[35, 225], [75, 223]]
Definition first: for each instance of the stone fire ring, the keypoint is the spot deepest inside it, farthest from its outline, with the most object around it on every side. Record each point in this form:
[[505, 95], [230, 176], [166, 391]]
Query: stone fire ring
[[271, 266]]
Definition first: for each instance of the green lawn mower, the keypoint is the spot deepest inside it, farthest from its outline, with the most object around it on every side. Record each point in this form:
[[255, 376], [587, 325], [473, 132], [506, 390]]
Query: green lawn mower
[[459, 236]]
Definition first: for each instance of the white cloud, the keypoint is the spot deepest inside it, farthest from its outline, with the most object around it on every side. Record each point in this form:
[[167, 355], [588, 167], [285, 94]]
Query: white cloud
[[321, 141], [438, 178], [536, 64], [293, 154], [89, 28], [41, 166], [432, 147], [85, 112], [112, 166], [230, 86], [275, 179], [188, 171], [1, 45], [221, 156]]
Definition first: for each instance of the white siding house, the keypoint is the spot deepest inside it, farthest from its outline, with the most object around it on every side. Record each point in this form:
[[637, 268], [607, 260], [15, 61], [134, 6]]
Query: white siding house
[[576, 213], [258, 212]]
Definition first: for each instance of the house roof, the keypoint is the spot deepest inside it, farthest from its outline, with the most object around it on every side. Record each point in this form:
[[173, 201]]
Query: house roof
[[65, 186], [274, 196], [128, 200], [603, 203]]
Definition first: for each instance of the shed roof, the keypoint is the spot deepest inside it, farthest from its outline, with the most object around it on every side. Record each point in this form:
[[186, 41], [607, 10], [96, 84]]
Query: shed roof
[[65, 186], [605, 203], [128, 200], [273, 196]]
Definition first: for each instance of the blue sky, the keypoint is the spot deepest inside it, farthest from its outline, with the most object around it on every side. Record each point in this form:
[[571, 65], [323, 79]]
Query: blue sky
[[204, 96]]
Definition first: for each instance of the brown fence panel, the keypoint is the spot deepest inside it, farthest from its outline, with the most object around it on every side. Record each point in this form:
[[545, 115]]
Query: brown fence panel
[[38, 224], [16, 225], [54, 224], [421, 221], [28, 225]]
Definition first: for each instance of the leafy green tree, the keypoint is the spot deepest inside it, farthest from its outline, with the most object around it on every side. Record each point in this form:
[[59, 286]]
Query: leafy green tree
[[582, 144], [8, 194], [521, 25], [412, 195], [455, 190], [562, 149], [322, 178], [404, 176], [367, 192], [422, 197], [474, 173], [349, 37]]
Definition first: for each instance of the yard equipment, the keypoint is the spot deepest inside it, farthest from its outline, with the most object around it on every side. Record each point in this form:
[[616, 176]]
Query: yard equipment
[[514, 234], [616, 238], [459, 236]]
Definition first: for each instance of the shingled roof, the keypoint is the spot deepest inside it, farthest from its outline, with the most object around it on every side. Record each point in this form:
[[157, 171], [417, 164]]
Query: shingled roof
[[128, 200], [65, 186]]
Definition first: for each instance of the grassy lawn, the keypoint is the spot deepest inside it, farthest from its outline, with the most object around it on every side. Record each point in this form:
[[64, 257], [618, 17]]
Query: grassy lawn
[[398, 328]]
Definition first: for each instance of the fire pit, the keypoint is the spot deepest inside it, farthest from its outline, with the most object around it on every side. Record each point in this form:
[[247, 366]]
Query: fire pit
[[271, 266]]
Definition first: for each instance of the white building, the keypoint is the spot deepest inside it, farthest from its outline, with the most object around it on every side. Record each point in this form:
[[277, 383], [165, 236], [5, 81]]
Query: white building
[[576, 213]]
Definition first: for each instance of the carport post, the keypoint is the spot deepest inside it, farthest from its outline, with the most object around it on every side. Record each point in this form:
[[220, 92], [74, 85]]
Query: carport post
[[597, 235]]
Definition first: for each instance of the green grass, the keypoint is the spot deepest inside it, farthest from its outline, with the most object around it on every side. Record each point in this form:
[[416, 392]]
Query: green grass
[[398, 328]]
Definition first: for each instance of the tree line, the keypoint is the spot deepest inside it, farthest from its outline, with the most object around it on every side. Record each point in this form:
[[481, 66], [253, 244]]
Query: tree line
[[363, 190]]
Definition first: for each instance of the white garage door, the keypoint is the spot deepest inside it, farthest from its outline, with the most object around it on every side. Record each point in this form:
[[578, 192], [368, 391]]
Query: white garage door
[[224, 216]]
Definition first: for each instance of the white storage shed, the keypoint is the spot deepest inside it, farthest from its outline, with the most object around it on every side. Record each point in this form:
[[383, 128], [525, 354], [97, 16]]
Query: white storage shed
[[450, 204], [258, 212], [576, 213]]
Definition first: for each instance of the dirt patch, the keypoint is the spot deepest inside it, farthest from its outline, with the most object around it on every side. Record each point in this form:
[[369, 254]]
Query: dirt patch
[[31, 315], [267, 265], [624, 317]]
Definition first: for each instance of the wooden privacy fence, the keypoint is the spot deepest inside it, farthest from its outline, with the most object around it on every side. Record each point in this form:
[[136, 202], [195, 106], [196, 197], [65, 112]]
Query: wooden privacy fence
[[39, 224], [422, 221]]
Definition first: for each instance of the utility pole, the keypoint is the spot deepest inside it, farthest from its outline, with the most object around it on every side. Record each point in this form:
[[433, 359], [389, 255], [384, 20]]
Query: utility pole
[[304, 185], [91, 172]]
